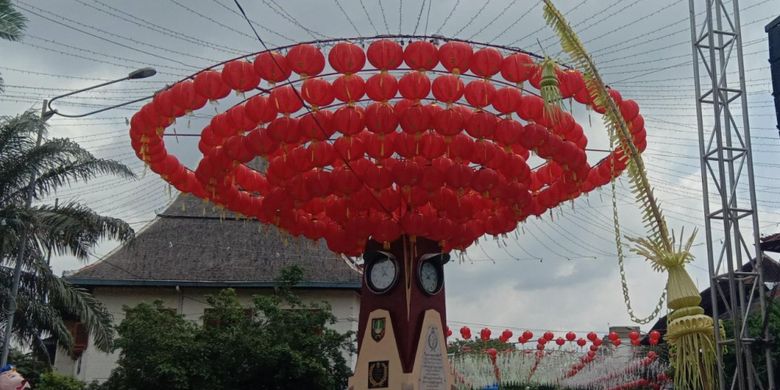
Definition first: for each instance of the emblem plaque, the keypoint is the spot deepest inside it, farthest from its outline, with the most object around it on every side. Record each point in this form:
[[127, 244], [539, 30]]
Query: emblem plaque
[[378, 373], [378, 328]]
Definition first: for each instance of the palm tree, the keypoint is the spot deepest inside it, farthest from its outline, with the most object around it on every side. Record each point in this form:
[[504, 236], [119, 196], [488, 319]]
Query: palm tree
[[12, 24], [44, 299]]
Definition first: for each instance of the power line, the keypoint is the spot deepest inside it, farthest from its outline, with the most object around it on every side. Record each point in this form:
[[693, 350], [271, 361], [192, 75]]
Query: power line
[[384, 17], [101, 31], [419, 16], [343, 12], [368, 17], [504, 31], [447, 19], [158, 28], [490, 23], [473, 18]]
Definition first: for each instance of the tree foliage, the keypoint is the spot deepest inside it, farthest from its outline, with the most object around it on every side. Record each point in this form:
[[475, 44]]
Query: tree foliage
[[755, 329], [278, 342], [44, 301]]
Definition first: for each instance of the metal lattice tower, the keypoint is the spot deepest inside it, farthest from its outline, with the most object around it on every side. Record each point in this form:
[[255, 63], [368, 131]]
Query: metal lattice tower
[[729, 202]]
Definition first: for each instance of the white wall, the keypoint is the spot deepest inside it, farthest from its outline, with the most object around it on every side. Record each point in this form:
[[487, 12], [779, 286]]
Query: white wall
[[190, 302]]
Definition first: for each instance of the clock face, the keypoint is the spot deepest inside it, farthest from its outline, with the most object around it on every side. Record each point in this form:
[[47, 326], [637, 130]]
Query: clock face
[[382, 275], [430, 278]]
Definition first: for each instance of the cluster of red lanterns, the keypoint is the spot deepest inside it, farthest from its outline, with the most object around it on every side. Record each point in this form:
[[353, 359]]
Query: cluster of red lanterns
[[438, 151]]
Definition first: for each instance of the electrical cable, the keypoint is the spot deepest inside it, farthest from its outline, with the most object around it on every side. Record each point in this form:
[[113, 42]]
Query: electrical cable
[[447, 18], [490, 23], [158, 28], [473, 18], [368, 17]]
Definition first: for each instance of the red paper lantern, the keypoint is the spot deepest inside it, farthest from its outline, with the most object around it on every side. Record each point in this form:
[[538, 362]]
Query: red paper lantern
[[506, 100], [306, 60], [414, 85], [346, 57], [286, 99], [479, 93], [486, 62], [484, 334], [381, 87], [447, 88], [349, 88], [582, 342], [209, 84], [517, 68], [560, 341], [385, 54], [421, 55], [571, 336], [455, 56], [272, 66], [317, 92], [239, 75]]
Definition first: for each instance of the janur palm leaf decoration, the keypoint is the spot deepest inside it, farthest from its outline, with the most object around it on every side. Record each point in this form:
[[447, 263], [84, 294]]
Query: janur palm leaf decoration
[[690, 332]]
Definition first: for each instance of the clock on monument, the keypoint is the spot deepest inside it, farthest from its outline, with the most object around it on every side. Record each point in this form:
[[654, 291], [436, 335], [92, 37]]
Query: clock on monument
[[402, 316]]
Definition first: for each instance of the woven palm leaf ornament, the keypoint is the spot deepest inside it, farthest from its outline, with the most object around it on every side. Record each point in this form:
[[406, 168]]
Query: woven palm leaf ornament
[[690, 332]]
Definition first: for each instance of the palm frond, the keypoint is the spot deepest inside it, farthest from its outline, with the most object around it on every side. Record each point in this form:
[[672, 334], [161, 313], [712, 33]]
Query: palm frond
[[75, 228], [75, 171], [617, 127], [12, 22]]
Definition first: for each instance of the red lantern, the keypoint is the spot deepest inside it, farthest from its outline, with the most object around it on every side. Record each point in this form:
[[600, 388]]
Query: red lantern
[[581, 342], [455, 56], [508, 132], [272, 66], [186, 99], [484, 334], [285, 99], [597, 342], [616, 342], [486, 62], [381, 118], [346, 57], [506, 100], [655, 336], [517, 68], [571, 336], [548, 335], [260, 109], [528, 335], [385, 54], [629, 109], [306, 60], [209, 84], [448, 122], [633, 335], [317, 125], [479, 93], [381, 87], [414, 85], [414, 119], [421, 55], [317, 92], [240, 76], [560, 341], [592, 336], [506, 334], [447, 88], [349, 88], [349, 120]]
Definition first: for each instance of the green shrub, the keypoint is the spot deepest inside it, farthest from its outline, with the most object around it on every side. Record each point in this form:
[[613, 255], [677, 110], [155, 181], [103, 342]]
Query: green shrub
[[54, 381]]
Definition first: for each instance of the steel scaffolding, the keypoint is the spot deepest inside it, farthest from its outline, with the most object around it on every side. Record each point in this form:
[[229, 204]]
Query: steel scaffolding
[[726, 159]]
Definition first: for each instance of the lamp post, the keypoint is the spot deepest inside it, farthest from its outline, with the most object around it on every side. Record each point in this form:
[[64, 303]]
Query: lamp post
[[46, 113]]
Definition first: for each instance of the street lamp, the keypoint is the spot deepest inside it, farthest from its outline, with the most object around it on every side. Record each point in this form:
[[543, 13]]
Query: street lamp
[[46, 113]]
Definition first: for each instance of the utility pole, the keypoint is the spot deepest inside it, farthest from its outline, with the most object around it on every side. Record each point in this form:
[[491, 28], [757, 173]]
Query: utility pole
[[726, 159], [46, 113]]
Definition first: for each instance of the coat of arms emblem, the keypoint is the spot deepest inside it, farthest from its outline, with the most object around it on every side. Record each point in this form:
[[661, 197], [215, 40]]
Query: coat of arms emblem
[[378, 328]]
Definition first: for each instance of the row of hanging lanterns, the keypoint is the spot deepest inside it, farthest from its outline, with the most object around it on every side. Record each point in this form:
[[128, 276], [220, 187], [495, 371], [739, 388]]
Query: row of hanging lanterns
[[417, 151]]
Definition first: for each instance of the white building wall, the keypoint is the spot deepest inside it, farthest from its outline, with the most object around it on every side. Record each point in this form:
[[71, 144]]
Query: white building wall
[[191, 302]]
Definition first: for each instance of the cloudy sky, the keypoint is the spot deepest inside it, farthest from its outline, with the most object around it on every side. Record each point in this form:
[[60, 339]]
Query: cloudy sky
[[559, 272]]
